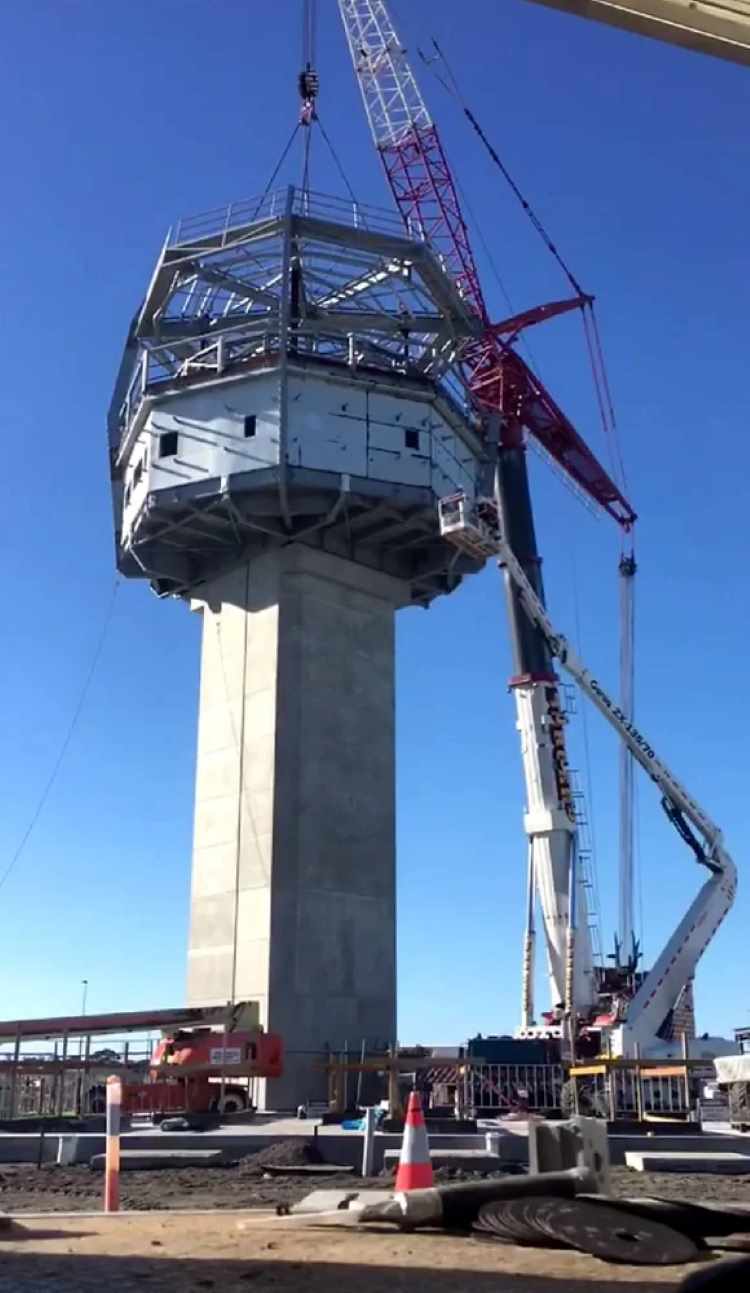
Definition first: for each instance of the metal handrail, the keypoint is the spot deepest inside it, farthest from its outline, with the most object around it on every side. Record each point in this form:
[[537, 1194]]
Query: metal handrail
[[236, 215]]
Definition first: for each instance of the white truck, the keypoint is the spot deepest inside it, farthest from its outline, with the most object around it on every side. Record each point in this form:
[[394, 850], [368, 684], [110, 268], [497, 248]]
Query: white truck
[[733, 1076]]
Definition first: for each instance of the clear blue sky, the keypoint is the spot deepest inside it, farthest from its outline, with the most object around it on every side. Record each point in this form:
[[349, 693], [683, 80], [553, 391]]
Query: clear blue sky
[[120, 118]]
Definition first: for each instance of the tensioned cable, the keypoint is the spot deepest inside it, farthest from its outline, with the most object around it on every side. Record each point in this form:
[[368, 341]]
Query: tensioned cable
[[306, 161], [337, 160], [591, 329], [277, 168], [50, 782], [453, 88], [309, 23], [523, 339]]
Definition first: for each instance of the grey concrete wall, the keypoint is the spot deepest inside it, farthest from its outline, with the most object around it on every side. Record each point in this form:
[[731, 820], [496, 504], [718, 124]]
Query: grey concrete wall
[[293, 883]]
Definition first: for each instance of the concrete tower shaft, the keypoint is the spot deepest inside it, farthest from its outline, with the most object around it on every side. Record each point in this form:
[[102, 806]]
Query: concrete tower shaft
[[293, 887]]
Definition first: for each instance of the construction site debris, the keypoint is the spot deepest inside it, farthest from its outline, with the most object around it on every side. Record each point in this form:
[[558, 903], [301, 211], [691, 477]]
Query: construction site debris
[[457, 1206], [704, 1222], [291, 1153], [26, 1188], [579, 1142], [602, 1230]]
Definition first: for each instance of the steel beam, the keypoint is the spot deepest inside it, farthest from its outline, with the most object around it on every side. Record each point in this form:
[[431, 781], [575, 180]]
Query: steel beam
[[718, 27], [129, 1021]]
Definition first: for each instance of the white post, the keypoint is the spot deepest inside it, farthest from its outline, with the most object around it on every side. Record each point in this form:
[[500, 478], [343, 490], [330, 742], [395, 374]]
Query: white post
[[112, 1154], [368, 1143]]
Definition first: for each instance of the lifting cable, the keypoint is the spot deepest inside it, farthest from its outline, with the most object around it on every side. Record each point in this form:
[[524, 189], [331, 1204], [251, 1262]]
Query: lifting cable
[[308, 84], [276, 170], [309, 87], [78, 710], [337, 161], [602, 388], [451, 85]]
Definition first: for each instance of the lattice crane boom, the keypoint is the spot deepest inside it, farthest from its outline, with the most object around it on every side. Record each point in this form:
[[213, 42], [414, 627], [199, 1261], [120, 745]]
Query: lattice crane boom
[[426, 195]]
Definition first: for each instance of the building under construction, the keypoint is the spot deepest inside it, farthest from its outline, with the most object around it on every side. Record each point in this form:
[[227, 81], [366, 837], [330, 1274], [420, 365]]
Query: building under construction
[[317, 421]]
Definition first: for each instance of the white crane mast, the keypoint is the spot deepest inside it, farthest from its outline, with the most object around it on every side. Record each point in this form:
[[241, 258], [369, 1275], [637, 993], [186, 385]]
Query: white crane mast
[[477, 527], [393, 103]]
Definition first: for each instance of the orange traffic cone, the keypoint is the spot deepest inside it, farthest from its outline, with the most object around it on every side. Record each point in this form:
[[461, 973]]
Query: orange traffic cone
[[414, 1166]]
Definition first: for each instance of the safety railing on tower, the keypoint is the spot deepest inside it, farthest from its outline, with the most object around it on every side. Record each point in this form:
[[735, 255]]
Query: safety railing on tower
[[225, 220]]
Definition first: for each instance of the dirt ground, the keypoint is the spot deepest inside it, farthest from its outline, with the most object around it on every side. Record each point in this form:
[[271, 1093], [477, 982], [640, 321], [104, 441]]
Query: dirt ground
[[77, 1189], [228, 1252], [252, 1248]]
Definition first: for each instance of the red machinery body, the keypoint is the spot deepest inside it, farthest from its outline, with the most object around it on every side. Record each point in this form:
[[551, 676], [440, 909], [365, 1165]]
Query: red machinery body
[[209, 1067]]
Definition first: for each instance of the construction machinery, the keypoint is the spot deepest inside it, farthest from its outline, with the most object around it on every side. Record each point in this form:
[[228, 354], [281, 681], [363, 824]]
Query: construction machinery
[[625, 1017], [621, 1004], [733, 1077], [206, 1060], [512, 407], [200, 1070]]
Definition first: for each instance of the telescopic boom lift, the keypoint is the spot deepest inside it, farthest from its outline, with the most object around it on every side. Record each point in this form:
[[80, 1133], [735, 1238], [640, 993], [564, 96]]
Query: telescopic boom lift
[[479, 528], [512, 407]]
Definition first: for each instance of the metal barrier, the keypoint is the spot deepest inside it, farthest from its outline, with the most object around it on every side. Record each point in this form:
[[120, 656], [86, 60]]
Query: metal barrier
[[224, 220], [466, 1086], [629, 1089], [68, 1078], [505, 1088]]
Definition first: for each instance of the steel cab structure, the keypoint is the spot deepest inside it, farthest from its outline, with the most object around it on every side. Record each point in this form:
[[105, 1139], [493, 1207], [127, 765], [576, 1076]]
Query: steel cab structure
[[291, 375]]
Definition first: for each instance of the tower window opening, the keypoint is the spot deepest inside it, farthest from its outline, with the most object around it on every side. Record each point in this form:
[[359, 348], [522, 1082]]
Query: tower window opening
[[168, 444], [248, 426], [137, 474], [411, 438]]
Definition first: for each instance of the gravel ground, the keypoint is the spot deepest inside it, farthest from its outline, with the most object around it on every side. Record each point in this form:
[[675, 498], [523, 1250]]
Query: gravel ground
[[24, 1188]]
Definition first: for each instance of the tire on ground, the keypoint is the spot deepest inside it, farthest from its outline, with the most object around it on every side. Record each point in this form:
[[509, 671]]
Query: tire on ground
[[234, 1100]]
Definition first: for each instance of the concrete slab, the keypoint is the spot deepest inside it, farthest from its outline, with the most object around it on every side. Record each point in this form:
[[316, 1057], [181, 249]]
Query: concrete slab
[[346, 1200], [143, 1159], [684, 1161]]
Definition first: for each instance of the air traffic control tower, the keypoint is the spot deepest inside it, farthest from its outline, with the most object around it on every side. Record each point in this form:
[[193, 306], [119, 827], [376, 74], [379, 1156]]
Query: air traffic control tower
[[287, 412]]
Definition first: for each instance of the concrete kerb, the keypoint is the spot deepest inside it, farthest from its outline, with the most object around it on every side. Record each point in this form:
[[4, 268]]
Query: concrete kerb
[[335, 1147]]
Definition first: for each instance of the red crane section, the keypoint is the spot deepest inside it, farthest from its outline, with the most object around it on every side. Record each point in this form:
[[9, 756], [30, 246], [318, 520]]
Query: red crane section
[[422, 184]]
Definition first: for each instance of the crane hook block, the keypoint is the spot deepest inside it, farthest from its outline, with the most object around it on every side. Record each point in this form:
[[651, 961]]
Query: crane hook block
[[309, 84]]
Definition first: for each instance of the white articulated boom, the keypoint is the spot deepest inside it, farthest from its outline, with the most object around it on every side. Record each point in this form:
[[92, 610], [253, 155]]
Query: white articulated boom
[[477, 526]]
